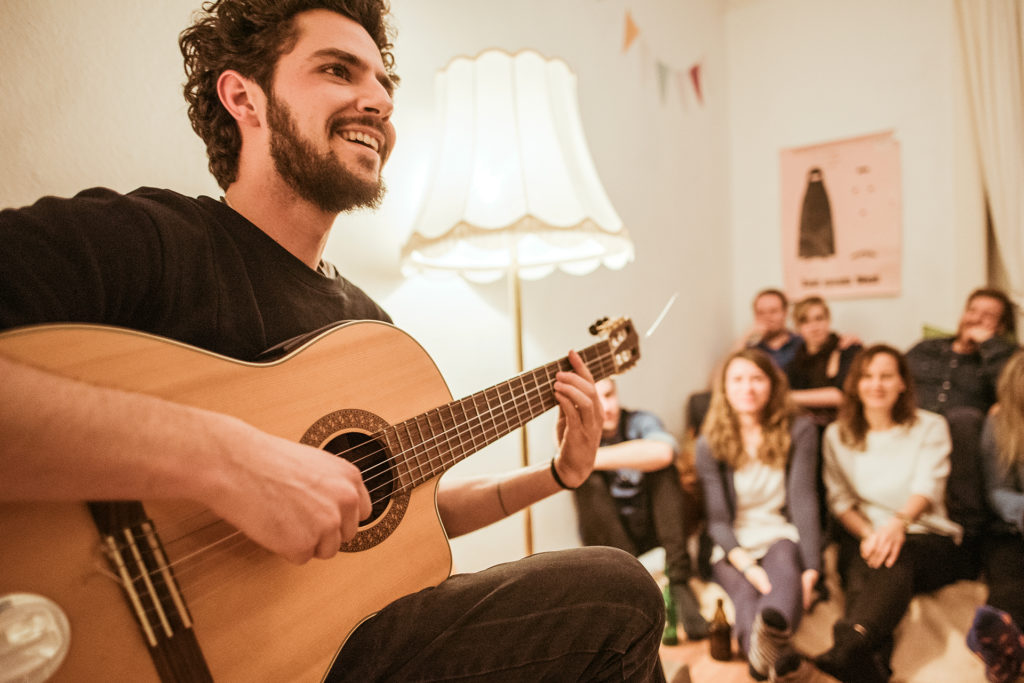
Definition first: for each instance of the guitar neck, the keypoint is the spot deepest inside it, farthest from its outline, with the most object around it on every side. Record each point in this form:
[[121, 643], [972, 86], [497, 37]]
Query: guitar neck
[[429, 444]]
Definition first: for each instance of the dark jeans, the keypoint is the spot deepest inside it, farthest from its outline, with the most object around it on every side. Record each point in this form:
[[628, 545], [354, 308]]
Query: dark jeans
[[965, 488], [878, 598], [601, 524], [1004, 574], [589, 614], [782, 564]]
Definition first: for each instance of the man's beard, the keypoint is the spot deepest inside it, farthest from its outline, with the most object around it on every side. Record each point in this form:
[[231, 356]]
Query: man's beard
[[318, 178]]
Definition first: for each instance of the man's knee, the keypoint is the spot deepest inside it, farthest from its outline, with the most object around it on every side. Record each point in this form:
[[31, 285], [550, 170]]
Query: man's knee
[[602, 574]]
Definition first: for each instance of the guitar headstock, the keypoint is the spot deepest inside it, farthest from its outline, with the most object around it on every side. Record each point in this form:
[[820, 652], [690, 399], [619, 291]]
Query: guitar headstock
[[623, 342]]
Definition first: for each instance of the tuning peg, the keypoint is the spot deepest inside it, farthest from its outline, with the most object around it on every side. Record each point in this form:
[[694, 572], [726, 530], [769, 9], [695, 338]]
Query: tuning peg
[[595, 329]]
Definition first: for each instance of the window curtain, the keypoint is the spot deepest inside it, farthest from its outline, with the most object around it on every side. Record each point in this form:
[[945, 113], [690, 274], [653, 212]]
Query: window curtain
[[992, 37]]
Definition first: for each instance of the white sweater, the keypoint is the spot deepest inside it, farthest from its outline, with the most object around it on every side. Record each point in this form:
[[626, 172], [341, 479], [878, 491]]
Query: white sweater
[[895, 464]]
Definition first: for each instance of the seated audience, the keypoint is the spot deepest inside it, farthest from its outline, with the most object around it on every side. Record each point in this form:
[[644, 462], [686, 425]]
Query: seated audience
[[819, 367], [1002, 448], [956, 376], [962, 370], [886, 463], [756, 461], [633, 500], [769, 332]]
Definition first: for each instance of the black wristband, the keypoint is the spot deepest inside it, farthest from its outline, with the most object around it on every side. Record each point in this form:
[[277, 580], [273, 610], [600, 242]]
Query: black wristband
[[558, 479]]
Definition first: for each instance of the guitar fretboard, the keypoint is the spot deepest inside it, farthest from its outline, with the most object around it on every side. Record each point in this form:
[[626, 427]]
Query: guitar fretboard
[[434, 441]]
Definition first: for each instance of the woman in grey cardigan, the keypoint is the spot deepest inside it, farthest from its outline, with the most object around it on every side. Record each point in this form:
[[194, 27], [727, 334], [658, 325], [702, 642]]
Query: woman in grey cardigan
[[757, 463]]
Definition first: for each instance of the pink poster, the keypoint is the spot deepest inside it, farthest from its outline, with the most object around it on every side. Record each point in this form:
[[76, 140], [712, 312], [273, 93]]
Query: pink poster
[[841, 210]]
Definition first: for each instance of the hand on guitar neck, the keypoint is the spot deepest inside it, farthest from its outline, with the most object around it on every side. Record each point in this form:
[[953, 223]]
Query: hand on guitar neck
[[469, 504]]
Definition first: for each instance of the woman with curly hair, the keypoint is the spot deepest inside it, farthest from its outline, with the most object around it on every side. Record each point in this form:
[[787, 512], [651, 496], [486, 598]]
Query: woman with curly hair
[[757, 462], [886, 464]]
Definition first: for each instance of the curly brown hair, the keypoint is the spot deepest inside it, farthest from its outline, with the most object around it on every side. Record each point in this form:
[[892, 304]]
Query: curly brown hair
[[722, 427], [249, 36], [853, 426]]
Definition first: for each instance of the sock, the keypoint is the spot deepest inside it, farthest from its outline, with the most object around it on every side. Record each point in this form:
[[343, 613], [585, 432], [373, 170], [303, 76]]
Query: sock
[[768, 637], [998, 642]]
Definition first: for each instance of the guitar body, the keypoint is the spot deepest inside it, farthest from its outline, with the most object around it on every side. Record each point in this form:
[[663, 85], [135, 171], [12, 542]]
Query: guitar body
[[254, 615]]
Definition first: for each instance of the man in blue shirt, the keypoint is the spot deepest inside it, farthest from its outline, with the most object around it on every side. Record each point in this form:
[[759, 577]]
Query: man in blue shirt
[[633, 500]]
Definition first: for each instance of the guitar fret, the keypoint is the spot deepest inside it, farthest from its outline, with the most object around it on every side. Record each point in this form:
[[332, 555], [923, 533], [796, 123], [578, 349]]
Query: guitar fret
[[420, 448], [436, 429], [451, 441], [431, 443], [394, 445]]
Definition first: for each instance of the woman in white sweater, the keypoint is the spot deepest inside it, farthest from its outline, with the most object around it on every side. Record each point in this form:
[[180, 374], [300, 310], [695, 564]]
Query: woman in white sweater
[[885, 466]]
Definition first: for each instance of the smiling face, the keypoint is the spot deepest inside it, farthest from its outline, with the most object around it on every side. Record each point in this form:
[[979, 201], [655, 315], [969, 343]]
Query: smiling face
[[814, 326], [880, 384], [982, 312], [329, 114], [747, 387]]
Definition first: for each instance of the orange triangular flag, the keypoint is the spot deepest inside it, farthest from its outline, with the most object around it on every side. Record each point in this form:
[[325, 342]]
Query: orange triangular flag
[[631, 32], [695, 78]]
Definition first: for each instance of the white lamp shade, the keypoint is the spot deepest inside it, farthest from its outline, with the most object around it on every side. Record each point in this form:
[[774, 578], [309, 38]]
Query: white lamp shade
[[513, 185]]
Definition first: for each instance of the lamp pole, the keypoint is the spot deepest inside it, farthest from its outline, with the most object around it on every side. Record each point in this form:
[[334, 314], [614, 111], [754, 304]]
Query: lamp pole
[[515, 299]]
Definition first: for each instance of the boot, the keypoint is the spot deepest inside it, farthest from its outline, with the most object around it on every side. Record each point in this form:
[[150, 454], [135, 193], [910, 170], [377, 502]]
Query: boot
[[688, 611], [851, 659]]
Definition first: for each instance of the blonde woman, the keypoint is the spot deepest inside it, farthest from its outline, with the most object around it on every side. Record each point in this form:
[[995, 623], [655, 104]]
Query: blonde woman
[[756, 462], [886, 464], [1002, 448]]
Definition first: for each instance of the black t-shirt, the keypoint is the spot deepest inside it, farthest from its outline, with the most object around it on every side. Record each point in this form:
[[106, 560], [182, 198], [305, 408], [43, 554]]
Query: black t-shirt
[[190, 269]]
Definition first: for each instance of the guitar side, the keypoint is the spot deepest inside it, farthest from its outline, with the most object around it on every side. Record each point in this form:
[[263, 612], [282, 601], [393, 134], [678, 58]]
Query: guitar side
[[256, 616]]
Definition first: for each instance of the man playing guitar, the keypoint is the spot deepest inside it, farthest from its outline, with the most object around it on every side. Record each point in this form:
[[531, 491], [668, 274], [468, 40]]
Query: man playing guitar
[[294, 102]]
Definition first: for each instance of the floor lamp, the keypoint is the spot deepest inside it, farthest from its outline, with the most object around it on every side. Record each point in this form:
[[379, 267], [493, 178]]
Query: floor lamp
[[513, 191]]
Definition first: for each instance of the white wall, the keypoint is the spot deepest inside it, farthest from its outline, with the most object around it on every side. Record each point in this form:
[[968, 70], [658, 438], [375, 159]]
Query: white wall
[[802, 72], [92, 96]]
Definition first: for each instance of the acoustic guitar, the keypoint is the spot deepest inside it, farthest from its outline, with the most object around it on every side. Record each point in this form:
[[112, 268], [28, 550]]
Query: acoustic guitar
[[163, 590]]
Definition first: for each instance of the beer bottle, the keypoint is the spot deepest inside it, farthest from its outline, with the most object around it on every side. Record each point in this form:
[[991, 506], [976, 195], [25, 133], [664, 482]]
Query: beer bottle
[[721, 635]]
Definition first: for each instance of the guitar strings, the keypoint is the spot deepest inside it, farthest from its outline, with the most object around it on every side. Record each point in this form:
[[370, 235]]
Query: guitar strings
[[190, 561], [437, 463], [531, 394]]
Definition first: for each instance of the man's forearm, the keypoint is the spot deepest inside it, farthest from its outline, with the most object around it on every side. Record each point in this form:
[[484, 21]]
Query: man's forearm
[[646, 455]]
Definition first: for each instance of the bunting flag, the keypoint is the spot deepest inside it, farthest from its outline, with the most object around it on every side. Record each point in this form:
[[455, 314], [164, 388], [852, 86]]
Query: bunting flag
[[631, 32], [695, 78], [686, 80], [663, 72]]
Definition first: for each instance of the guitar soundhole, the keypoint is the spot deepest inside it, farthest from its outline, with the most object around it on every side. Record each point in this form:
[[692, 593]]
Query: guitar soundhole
[[364, 433], [371, 457]]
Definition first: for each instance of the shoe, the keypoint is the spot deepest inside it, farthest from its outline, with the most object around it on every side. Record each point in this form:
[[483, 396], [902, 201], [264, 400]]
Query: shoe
[[851, 659], [791, 667], [769, 636], [998, 642], [688, 612]]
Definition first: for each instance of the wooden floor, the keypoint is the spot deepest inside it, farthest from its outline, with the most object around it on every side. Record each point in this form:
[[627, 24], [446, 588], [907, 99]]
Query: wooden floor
[[702, 667], [696, 657]]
